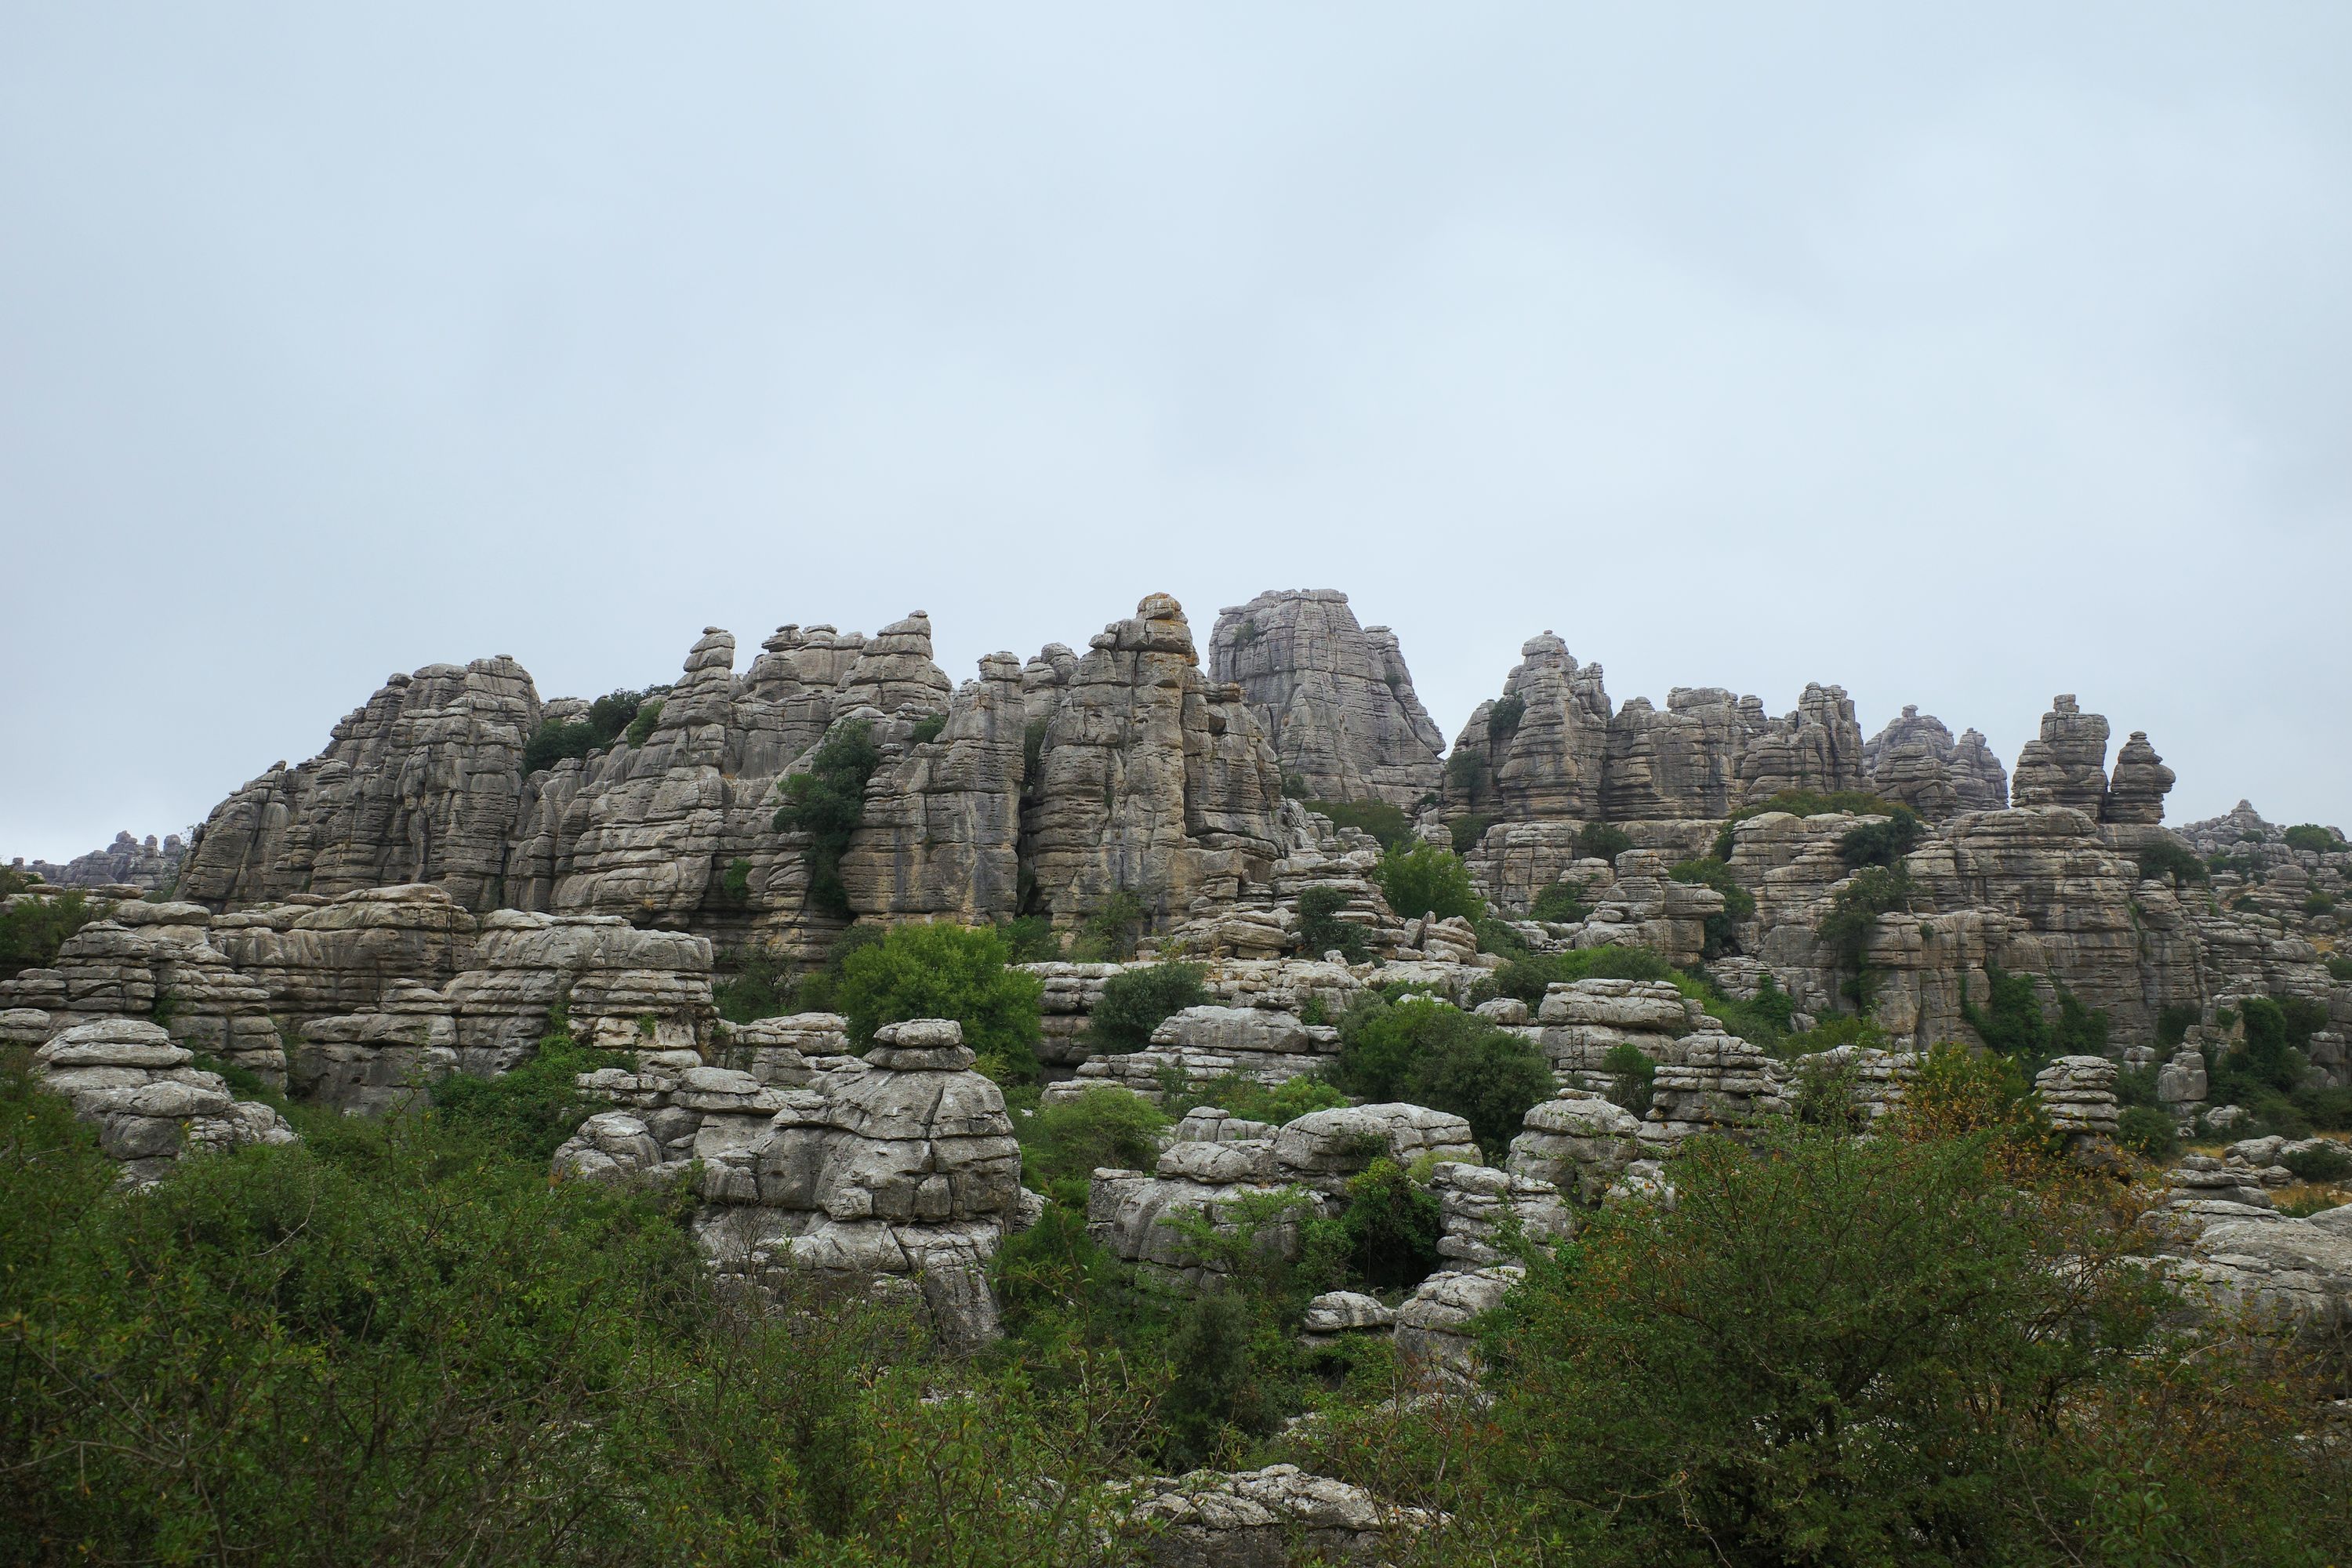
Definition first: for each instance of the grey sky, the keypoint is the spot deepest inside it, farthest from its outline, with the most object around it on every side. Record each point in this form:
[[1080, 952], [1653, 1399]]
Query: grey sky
[[1960, 356]]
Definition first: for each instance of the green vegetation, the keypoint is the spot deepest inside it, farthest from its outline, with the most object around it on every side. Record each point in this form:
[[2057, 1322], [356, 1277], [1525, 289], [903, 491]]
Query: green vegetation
[[1386, 823], [32, 929], [2147, 1130], [1429, 1052], [2318, 904], [1504, 718], [2329, 1163], [1466, 830], [1466, 774], [2311, 836], [2339, 967], [735, 883], [526, 1113], [1881, 843], [2267, 1071], [2173, 1022], [1110, 934], [1250, 1099], [1562, 903], [1030, 939], [2163, 858], [942, 971], [1422, 879], [1390, 1226], [1853, 919], [1805, 803], [827, 803], [752, 983], [1601, 841], [1527, 978], [2013, 1021], [1739, 903], [641, 727], [1062, 1144], [1033, 752], [1321, 931], [927, 728], [1630, 1071], [608, 717], [1136, 1001]]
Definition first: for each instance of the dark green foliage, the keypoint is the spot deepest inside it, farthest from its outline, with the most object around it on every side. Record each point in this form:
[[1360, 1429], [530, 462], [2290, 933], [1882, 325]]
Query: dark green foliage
[[1562, 903], [2162, 857], [1466, 774], [735, 883], [1110, 934], [1392, 1225], [1427, 1052], [1386, 823], [1881, 843], [1827, 1096], [32, 930], [1496, 937], [1033, 752], [1503, 719], [2310, 835], [526, 1113], [2147, 1131], [1601, 841], [1739, 903], [1250, 1099], [753, 983], [942, 971], [2328, 1162], [1527, 978], [1321, 931], [1063, 1143], [2317, 904], [1030, 939], [1805, 803], [1423, 879], [2173, 1022], [2339, 968], [927, 728], [827, 803], [2080, 1031], [608, 717], [1630, 1074], [1466, 830], [1853, 914], [1135, 1001], [2013, 1021], [2266, 1071], [641, 727]]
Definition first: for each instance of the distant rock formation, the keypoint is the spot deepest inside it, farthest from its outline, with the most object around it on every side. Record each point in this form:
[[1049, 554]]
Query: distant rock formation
[[126, 863], [1538, 749], [1334, 699], [1915, 762]]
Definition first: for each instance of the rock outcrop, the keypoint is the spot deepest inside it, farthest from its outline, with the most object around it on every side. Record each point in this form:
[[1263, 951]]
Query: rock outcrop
[[2068, 764], [1817, 748], [128, 862], [1539, 750], [1334, 699], [149, 1104], [1915, 762], [1680, 763], [1262, 1518]]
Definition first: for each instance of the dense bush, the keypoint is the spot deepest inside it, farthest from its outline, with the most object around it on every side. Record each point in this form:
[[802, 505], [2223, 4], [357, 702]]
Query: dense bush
[[1527, 978], [1428, 1052], [1110, 934], [607, 719], [1601, 841], [1250, 1099], [752, 983], [2328, 1162], [1030, 939], [1504, 718], [32, 930], [1063, 1143], [1321, 931], [1466, 774], [941, 971], [2311, 836], [641, 727], [1561, 903], [928, 728], [527, 1112], [1467, 831], [1391, 1225], [1423, 879], [827, 803], [1803, 802], [1385, 822], [1847, 930], [2147, 1131], [1135, 1001], [1881, 843], [2162, 857], [735, 883], [2013, 1022], [2339, 967], [1630, 1071]]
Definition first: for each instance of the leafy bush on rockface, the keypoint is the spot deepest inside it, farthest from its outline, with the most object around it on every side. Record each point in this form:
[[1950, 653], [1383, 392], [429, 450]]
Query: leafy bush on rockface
[[1562, 903], [1422, 879], [2311, 836], [607, 719], [1601, 841], [1136, 1001], [1321, 931], [1427, 1052], [32, 929], [935, 970], [827, 803], [1385, 822], [2162, 857], [1881, 843]]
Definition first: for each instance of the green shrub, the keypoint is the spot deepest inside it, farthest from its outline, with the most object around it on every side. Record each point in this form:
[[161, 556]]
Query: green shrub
[[1136, 1001], [1466, 775], [1427, 1052], [1468, 830], [2011, 1021], [1033, 752], [1601, 841], [2339, 968], [2162, 857], [1631, 1072], [1321, 931], [641, 727], [528, 1112], [1422, 879], [2329, 1163], [1847, 930], [942, 971], [1110, 934], [2147, 1131], [2310, 835], [32, 930], [1562, 903], [2173, 1022], [1250, 1099], [1392, 1226], [735, 883], [1881, 843], [1529, 977], [827, 803], [1804, 803], [927, 728], [1030, 939], [1064, 1143], [2317, 904], [753, 983], [1386, 823], [1503, 719], [608, 717]]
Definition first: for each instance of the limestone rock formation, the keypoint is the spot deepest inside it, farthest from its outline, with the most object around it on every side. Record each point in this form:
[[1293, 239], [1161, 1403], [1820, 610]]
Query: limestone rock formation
[[1482, 1212], [1334, 699], [2136, 792], [2067, 765], [1680, 763], [1915, 762], [151, 1106], [127, 862], [1202, 1045], [1437, 1334], [1539, 750], [1578, 1141], [1817, 748], [1262, 1518]]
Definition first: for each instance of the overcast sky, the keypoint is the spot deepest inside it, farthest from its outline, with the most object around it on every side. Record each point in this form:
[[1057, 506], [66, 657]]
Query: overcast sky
[[1960, 357]]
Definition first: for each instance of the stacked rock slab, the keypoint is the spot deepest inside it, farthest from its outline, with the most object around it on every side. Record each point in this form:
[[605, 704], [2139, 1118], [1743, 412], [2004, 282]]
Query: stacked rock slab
[[1539, 750], [1262, 1519], [1682, 763], [2067, 764], [420, 785], [1202, 1045], [2078, 1094], [1915, 762], [151, 1106], [1712, 1082], [1436, 1332], [1151, 780], [127, 862], [900, 1170], [1818, 749], [1579, 1141], [1334, 699], [2236, 1256], [1483, 1213]]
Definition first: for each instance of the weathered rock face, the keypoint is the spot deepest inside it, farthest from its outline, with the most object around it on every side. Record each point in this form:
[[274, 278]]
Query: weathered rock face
[[1579, 1141], [1541, 749], [1915, 762], [1151, 781], [2067, 765], [2135, 793], [125, 863], [1202, 1045], [151, 1106], [1682, 762], [898, 1168], [420, 785], [1262, 1518], [1334, 699], [1817, 748]]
